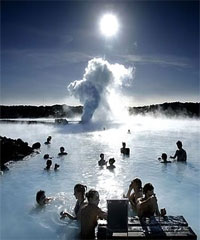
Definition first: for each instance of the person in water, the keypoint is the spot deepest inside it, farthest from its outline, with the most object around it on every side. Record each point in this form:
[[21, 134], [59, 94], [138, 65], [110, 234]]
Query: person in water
[[41, 198], [79, 193], [62, 151], [56, 166], [124, 150], [164, 158], [111, 162], [46, 156], [89, 215], [148, 206], [48, 140], [48, 164], [102, 161], [180, 154], [134, 192]]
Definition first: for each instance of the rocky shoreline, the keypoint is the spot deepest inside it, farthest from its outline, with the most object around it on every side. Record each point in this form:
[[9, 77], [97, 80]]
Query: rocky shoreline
[[14, 150]]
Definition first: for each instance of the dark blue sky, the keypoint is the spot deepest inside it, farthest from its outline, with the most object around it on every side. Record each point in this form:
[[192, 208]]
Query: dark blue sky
[[46, 44]]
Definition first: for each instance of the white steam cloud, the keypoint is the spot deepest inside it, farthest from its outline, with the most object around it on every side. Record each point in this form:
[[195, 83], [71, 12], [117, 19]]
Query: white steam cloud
[[99, 79]]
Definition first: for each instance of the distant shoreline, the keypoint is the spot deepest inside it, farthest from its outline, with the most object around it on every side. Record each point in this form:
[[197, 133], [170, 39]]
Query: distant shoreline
[[173, 109]]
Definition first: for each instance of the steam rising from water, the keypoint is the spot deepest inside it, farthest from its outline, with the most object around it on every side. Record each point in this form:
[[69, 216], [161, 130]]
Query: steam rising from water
[[99, 86]]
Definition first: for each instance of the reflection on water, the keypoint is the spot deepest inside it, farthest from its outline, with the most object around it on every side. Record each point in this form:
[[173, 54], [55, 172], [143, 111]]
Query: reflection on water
[[174, 183]]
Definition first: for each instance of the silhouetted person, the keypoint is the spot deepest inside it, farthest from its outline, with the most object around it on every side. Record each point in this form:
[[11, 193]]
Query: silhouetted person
[[48, 140], [180, 154], [102, 161], [164, 158], [111, 162], [56, 166], [124, 150], [46, 156], [79, 193], [48, 164], [62, 151]]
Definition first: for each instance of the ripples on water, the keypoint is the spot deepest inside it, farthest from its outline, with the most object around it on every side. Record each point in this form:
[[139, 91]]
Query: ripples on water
[[176, 184]]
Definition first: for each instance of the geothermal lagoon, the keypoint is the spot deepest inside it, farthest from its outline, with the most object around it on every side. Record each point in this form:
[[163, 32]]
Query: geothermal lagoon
[[176, 184]]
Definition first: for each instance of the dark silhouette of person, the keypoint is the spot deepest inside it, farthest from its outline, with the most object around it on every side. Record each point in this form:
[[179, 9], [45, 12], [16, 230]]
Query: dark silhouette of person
[[48, 140], [102, 161], [180, 154], [62, 151], [48, 164], [124, 150]]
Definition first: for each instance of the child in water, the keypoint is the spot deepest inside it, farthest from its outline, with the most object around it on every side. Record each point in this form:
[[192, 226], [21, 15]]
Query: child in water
[[89, 215], [164, 158], [41, 199]]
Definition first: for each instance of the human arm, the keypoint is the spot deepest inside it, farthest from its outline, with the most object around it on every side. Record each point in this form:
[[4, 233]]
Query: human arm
[[66, 214], [175, 155], [102, 214]]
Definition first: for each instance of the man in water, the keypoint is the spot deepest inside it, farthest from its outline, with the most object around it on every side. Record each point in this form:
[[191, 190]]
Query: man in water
[[89, 215], [180, 154]]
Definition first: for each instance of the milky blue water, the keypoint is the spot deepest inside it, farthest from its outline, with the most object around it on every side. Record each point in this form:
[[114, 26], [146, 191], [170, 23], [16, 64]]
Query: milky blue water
[[177, 185]]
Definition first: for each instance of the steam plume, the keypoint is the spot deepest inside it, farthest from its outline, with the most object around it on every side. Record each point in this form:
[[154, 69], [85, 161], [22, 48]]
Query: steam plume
[[99, 77]]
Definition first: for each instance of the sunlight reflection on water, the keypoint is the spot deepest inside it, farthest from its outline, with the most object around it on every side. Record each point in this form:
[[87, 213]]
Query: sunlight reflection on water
[[174, 183]]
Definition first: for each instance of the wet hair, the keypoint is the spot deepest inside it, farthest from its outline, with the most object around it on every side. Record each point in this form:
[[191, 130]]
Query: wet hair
[[101, 155], [80, 188], [179, 143], [62, 149], [138, 182], [46, 156], [111, 161], [147, 187], [91, 194], [39, 194], [164, 156]]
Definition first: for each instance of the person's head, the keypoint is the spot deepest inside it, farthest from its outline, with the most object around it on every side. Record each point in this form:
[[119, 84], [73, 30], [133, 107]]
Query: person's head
[[40, 197], [62, 149], [49, 163], [79, 191], [111, 161], [46, 156], [179, 144], [164, 156], [123, 144], [148, 189], [137, 183], [102, 156], [49, 139], [93, 197]]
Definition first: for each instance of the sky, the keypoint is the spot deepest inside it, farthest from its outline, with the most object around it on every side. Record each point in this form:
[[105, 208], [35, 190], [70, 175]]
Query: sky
[[46, 45]]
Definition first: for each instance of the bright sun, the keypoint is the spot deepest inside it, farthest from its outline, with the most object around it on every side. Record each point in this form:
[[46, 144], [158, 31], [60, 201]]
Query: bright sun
[[109, 25]]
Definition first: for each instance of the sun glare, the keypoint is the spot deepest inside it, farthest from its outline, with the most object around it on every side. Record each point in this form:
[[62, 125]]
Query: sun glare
[[109, 25]]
